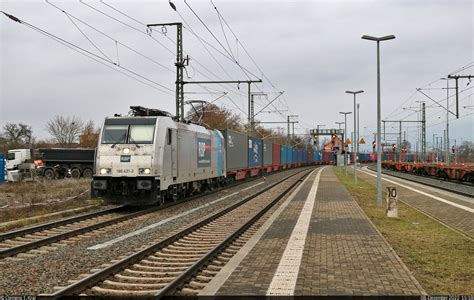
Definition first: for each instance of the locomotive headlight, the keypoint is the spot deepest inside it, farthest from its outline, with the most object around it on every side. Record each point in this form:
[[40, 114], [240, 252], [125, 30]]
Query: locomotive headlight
[[126, 150], [144, 171], [104, 171]]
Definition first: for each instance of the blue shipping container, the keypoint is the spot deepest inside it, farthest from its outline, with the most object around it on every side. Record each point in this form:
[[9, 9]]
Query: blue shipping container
[[289, 155], [300, 155], [305, 156], [283, 150], [316, 155], [255, 152], [2, 168]]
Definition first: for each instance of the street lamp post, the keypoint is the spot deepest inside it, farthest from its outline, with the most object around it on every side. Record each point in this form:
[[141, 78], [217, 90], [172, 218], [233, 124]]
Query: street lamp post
[[447, 121], [379, 136], [339, 123], [355, 139], [343, 142]]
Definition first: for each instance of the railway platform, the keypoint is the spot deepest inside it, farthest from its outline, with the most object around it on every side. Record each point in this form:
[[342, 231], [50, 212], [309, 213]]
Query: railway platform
[[453, 210], [318, 242]]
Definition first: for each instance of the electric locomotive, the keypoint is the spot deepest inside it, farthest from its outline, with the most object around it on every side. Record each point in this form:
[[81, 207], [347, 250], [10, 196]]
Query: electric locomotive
[[148, 158]]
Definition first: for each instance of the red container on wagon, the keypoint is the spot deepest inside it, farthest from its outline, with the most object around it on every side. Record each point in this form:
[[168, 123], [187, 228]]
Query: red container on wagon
[[276, 155]]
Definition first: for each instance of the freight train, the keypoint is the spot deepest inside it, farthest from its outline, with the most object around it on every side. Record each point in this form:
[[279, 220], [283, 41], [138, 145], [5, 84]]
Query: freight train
[[149, 158]]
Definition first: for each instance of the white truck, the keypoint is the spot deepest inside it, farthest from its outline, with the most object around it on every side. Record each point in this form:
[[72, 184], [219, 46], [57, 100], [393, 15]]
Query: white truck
[[50, 163], [16, 157]]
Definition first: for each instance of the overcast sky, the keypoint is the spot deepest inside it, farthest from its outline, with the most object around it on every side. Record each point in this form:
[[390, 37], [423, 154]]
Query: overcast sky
[[312, 50]]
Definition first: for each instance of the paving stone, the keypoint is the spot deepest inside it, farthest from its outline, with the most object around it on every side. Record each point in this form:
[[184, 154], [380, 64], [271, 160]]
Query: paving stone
[[343, 253]]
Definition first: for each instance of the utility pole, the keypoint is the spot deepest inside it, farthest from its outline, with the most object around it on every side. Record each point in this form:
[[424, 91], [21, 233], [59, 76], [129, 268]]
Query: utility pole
[[457, 77], [355, 142], [180, 64], [423, 131], [358, 133], [344, 142]]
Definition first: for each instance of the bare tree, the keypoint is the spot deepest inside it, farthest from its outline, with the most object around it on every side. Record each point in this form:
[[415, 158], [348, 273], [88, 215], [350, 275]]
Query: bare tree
[[465, 152], [65, 130], [215, 117], [17, 134], [89, 135]]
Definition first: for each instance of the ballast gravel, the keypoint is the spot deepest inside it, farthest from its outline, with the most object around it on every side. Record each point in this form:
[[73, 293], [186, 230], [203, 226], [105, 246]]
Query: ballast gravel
[[40, 273]]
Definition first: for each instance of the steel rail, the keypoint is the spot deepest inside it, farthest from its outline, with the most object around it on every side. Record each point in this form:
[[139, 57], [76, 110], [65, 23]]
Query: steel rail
[[93, 279], [182, 279], [416, 176], [65, 221], [51, 239]]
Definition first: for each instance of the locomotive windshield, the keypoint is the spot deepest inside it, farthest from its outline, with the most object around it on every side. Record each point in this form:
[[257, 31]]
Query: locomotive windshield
[[129, 131]]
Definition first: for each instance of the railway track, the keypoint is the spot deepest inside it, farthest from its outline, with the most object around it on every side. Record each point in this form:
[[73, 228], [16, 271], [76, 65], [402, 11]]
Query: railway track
[[175, 262], [37, 238], [460, 188]]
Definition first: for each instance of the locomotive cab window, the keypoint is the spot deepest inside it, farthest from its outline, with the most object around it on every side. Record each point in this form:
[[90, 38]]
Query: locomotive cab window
[[129, 131], [115, 134], [141, 134]]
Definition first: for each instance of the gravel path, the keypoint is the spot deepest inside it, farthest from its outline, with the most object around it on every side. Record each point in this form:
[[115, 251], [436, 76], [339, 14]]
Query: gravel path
[[42, 272]]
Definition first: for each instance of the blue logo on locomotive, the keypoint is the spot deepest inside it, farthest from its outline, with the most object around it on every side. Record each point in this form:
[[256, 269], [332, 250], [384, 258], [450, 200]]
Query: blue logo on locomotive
[[204, 152]]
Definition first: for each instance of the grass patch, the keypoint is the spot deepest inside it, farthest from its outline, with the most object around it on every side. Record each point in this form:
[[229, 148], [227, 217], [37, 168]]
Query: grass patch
[[440, 259], [25, 203]]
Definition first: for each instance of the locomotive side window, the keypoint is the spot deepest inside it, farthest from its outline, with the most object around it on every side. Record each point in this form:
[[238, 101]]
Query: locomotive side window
[[169, 136]]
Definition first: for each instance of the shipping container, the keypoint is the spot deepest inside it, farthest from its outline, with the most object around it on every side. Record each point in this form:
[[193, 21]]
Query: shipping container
[[289, 155], [311, 156], [276, 155], [236, 150], [283, 154], [267, 154], [364, 157], [255, 151], [305, 157], [316, 156], [2, 168], [294, 155]]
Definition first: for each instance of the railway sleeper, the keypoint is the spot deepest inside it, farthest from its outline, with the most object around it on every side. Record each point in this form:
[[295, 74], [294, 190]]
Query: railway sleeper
[[148, 273], [176, 259], [159, 256], [164, 263], [133, 285], [202, 241], [122, 293], [196, 285], [201, 278], [179, 250], [187, 292], [160, 269], [211, 273], [139, 279], [197, 245]]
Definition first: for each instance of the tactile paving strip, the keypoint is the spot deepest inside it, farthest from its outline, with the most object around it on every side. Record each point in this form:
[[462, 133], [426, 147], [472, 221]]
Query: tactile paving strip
[[284, 279]]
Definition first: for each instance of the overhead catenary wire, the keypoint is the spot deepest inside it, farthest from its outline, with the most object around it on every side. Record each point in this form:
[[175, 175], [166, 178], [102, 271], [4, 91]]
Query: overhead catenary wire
[[91, 55], [110, 37], [148, 32]]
